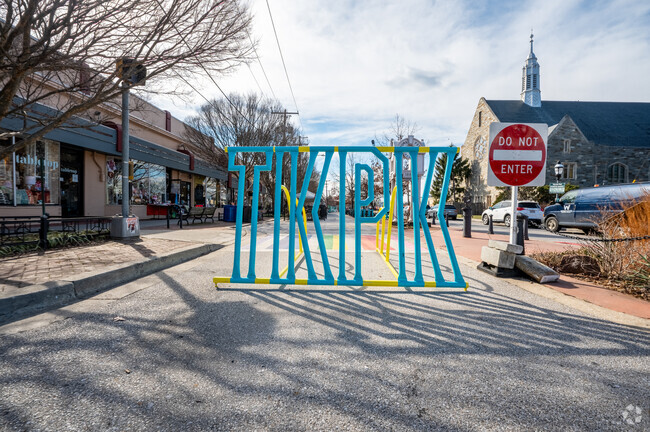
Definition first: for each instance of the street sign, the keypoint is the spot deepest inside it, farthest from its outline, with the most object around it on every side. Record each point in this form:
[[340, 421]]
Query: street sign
[[556, 188], [517, 155]]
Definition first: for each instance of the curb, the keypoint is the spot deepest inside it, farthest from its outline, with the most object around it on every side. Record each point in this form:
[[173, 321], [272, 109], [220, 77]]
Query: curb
[[38, 298]]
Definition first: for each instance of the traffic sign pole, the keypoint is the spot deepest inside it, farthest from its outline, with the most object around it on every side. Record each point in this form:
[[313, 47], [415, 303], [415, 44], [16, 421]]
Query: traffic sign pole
[[513, 215]]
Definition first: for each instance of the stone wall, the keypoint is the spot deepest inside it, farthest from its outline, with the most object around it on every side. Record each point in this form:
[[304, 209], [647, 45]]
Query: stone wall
[[477, 136], [593, 160]]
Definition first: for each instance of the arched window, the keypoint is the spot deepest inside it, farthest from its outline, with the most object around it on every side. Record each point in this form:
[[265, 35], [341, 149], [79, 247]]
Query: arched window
[[617, 173]]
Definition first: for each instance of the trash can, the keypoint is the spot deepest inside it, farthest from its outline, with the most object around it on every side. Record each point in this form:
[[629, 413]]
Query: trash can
[[229, 213], [246, 218]]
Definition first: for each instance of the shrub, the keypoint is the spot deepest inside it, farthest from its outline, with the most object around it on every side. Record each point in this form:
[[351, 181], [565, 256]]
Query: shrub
[[623, 264]]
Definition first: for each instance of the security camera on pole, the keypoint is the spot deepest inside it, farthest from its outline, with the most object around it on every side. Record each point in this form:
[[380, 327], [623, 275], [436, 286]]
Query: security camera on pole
[[132, 73], [517, 157]]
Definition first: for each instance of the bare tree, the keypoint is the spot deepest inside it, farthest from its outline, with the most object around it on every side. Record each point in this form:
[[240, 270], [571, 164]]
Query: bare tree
[[398, 129], [63, 53], [247, 121]]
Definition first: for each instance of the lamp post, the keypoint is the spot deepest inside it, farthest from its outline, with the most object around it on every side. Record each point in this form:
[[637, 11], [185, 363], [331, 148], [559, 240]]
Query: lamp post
[[559, 169]]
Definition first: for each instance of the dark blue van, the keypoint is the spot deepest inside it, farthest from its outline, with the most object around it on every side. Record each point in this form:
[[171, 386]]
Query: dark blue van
[[584, 208]]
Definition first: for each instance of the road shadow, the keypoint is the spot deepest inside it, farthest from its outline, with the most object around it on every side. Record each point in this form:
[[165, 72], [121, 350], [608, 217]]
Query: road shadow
[[187, 357]]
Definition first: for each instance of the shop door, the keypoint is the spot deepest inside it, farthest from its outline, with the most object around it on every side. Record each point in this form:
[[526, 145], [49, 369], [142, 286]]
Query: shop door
[[71, 186]]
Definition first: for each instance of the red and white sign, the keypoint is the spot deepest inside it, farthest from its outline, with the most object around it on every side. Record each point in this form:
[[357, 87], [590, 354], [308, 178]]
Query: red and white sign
[[517, 155]]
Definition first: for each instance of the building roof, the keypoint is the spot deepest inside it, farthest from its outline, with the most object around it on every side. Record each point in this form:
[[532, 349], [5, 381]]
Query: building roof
[[624, 124]]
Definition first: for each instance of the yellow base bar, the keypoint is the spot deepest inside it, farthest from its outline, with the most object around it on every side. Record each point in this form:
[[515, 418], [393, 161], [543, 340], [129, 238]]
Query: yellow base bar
[[378, 283]]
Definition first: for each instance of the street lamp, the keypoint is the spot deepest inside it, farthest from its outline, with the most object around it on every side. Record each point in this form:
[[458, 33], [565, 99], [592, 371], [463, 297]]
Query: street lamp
[[559, 169]]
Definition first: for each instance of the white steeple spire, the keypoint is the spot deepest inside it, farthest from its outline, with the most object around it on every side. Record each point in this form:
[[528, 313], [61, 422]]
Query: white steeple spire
[[530, 93]]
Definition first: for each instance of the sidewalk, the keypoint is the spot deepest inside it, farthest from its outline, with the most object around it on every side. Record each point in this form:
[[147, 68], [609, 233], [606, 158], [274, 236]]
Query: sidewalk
[[35, 282], [44, 280], [470, 248]]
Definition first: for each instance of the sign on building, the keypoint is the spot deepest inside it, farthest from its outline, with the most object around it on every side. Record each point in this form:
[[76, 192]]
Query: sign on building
[[517, 155]]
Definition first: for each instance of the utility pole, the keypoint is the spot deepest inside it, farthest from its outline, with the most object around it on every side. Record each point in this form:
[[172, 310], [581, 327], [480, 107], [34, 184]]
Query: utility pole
[[132, 73], [284, 114]]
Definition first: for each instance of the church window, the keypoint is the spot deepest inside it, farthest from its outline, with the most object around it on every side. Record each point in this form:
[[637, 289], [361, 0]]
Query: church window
[[570, 171], [567, 146], [534, 80], [527, 81], [523, 83], [480, 114], [617, 173]]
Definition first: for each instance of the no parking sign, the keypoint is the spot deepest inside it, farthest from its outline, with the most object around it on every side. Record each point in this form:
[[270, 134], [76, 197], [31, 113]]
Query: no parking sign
[[517, 155]]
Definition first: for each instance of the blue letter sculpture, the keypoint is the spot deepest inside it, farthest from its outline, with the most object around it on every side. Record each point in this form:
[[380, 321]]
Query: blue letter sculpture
[[383, 218]]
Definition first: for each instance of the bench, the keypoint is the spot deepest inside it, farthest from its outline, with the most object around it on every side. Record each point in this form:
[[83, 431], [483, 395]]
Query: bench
[[201, 214], [208, 213]]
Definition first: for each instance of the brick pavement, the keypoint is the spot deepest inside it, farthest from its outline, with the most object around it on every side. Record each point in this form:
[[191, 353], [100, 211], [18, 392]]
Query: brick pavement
[[56, 264]]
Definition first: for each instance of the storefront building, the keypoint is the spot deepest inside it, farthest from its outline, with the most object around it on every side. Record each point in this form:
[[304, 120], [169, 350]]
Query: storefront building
[[83, 169]]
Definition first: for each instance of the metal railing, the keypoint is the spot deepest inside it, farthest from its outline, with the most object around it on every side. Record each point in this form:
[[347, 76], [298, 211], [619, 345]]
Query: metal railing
[[34, 230]]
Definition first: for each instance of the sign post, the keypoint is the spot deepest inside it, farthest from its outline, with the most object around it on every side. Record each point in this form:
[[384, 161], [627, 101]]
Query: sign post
[[517, 157]]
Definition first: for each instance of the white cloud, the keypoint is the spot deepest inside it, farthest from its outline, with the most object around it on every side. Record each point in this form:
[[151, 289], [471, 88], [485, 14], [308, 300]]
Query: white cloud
[[354, 65]]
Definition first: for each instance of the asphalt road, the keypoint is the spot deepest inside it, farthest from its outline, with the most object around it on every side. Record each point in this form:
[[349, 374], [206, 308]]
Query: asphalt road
[[331, 226], [171, 353]]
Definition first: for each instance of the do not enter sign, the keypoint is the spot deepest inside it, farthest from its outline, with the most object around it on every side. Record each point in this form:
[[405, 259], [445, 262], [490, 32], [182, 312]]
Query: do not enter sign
[[517, 155]]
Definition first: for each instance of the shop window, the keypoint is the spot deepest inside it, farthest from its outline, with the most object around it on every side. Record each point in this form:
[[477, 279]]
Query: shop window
[[567, 146], [210, 186], [149, 184], [31, 187], [6, 177], [180, 192], [113, 181]]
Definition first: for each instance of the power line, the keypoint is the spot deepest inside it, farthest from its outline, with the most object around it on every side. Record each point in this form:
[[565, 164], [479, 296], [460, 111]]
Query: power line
[[258, 60], [256, 82], [282, 57], [206, 71]]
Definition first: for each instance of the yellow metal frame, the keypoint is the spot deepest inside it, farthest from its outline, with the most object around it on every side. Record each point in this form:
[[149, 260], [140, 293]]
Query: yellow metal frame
[[387, 231], [304, 218]]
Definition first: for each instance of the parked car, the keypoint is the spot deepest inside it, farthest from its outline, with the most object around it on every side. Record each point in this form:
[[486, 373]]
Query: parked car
[[585, 208], [449, 211], [501, 212]]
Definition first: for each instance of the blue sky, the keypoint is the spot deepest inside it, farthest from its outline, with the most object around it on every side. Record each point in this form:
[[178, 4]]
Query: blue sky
[[353, 65]]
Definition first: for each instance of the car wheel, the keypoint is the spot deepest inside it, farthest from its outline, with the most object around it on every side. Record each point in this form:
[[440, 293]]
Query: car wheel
[[506, 220], [485, 219], [552, 224]]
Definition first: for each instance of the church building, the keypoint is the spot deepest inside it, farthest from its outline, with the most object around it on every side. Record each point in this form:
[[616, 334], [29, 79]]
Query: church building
[[599, 143]]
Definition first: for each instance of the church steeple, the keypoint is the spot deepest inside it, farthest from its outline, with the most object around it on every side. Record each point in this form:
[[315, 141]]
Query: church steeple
[[530, 93]]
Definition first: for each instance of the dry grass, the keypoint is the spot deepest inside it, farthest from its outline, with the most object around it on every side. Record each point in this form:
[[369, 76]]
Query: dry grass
[[624, 265]]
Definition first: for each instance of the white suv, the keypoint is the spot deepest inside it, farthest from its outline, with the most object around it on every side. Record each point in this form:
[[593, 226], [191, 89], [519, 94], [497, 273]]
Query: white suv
[[501, 212]]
